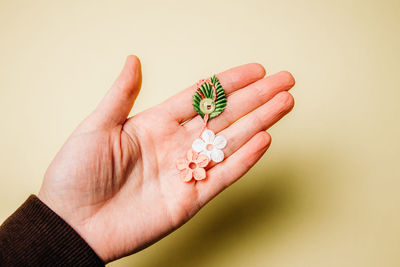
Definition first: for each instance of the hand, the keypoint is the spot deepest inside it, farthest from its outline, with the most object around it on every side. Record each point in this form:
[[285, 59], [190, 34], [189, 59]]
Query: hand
[[115, 180]]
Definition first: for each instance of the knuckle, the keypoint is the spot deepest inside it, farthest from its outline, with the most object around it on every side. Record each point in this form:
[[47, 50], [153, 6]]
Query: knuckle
[[263, 90], [256, 120]]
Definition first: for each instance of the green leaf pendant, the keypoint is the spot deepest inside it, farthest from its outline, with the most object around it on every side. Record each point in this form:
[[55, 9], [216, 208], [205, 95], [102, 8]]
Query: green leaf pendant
[[209, 98]]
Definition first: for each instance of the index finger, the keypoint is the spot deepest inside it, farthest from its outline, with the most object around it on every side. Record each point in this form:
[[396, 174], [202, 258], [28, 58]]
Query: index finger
[[180, 106]]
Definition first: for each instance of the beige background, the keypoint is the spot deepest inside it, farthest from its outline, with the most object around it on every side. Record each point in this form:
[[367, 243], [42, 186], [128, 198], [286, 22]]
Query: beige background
[[326, 194]]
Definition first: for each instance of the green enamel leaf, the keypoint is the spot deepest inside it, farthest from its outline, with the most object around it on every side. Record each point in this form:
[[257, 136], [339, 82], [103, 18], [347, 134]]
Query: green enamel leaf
[[207, 90]]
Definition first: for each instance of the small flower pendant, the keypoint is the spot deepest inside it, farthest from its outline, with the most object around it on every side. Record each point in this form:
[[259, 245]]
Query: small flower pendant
[[210, 145]]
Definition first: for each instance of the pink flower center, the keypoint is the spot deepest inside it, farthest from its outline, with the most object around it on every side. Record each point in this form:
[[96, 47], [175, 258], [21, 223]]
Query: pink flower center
[[192, 165], [209, 147]]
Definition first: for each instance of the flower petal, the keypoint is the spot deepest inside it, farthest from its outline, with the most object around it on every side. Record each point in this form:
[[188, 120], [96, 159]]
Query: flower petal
[[199, 174], [206, 153], [187, 174], [189, 155], [181, 164], [202, 160], [220, 142], [198, 145], [217, 155], [208, 136]]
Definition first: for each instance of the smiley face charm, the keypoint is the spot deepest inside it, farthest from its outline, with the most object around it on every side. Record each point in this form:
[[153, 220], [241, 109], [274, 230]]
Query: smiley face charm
[[207, 105]]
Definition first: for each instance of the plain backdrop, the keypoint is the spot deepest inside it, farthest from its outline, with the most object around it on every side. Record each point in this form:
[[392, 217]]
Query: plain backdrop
[[326, 193]]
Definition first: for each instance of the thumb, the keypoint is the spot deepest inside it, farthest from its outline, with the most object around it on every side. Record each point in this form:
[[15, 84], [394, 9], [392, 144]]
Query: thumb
[[117, 103]]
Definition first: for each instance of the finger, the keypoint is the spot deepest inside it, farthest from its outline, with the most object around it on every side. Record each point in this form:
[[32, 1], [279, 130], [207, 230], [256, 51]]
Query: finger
[[227, 172], [117, 103], [245, 100], [260, 119], [179, 106]]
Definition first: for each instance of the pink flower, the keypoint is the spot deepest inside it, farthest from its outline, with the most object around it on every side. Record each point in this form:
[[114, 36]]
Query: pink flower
[[193, 166]]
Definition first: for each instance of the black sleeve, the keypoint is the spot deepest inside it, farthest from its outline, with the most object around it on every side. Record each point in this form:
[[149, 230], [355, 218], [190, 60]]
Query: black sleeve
[[34, 235]]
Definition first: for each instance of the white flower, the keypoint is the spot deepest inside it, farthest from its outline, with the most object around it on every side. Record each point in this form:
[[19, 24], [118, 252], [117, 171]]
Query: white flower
[[210, 145]]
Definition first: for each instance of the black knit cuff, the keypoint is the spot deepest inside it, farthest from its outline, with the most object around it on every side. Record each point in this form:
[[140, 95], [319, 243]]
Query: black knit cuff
[[36, 236]]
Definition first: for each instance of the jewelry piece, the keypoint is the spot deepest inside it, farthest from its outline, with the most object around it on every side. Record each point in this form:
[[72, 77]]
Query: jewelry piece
[[209, 101], [210, 145], [193, 166]]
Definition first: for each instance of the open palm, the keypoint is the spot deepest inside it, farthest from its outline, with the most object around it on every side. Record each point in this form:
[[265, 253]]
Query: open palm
[[115, 180]]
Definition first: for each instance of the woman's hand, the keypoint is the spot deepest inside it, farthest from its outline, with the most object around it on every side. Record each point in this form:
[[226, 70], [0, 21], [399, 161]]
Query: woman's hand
[[115, 180]]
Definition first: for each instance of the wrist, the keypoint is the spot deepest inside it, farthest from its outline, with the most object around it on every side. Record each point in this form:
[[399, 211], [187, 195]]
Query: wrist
[[78, 225]]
